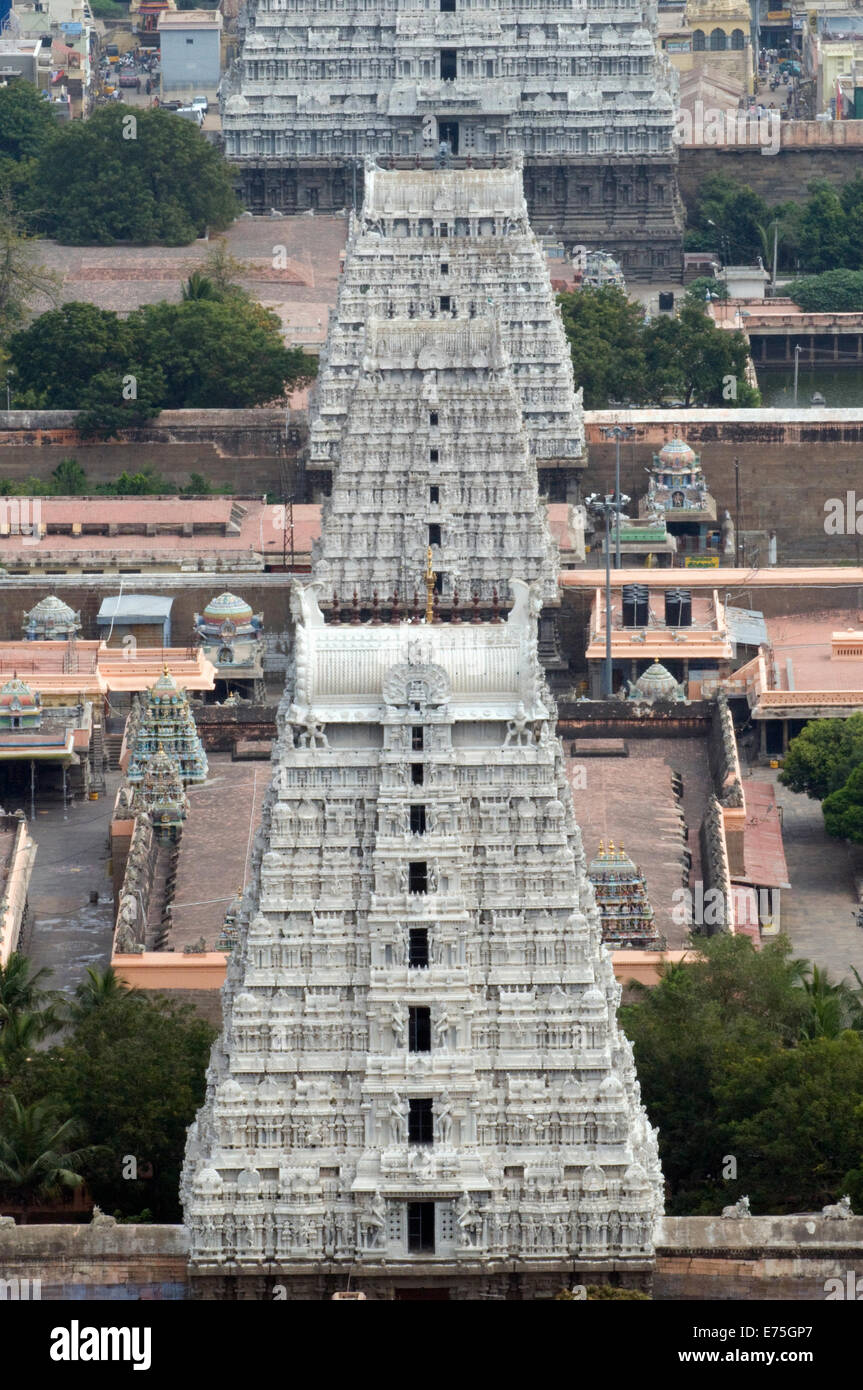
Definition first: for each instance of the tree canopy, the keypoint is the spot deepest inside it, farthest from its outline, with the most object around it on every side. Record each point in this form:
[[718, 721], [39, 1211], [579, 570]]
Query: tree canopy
[[834, 292], [110, 1103], [618, 356], [822, 756], [743, 1056], [219, 351], [123, 175], [821, 231]]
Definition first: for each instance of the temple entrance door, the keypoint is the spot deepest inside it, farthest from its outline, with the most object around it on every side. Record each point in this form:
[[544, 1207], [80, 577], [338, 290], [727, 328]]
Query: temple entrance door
[[448, 130]]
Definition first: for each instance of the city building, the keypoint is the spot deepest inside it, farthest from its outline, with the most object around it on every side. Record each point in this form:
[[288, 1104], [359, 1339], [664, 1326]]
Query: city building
[[66, 32], [190, 52], [43, 751], [586, 97], [126, 619], [710, 39], [420, 1083]]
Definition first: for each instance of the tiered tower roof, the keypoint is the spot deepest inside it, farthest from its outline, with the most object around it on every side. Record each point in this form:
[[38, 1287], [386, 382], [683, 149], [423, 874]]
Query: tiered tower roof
[[455, 242]]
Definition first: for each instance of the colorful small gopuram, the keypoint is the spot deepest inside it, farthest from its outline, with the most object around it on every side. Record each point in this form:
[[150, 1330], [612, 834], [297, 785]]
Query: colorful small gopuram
[[621, 896]]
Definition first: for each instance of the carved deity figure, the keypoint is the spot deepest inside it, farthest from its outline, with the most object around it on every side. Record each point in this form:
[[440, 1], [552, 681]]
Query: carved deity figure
[[443, 1120], [469, 1222], [397, 1112]]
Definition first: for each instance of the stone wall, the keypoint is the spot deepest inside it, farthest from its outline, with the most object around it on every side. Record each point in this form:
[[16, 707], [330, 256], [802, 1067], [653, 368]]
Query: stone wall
[[778, 178], [245, 451], [698, 1257], [787, 473], [221, 726]]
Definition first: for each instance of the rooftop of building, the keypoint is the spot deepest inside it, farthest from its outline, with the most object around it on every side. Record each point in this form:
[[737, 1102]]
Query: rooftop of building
[[459, 192], [803, 656], [215, 849], [190, 19], [71, 669], [706, 638]]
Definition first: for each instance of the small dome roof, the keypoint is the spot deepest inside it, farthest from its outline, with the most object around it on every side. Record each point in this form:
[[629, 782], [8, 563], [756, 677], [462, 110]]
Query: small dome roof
[[656, 683], [52, 609], [227, 606], [677, 451], [165, 685], [208, 1182], [16, 694]]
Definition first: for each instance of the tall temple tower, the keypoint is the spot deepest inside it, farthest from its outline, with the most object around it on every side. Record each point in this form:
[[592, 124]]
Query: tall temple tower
[[420, 1082], [580, 89]]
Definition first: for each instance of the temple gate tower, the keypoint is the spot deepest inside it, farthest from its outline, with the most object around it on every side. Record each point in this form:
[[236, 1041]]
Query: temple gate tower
[[420, 1082], [580, 89]]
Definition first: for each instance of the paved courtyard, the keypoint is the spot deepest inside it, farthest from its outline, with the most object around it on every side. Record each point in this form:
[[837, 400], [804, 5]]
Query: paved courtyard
[[67, 932], [818, 913]]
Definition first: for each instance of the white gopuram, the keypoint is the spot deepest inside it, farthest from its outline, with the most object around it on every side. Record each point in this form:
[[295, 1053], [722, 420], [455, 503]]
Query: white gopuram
[[421, 1083], [454, 244], [581, 89]]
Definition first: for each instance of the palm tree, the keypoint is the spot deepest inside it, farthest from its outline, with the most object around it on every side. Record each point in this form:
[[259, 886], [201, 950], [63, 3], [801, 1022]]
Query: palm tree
[[95, 990], [38, 1157], [832, 1007], [199, 286], [22, 988]]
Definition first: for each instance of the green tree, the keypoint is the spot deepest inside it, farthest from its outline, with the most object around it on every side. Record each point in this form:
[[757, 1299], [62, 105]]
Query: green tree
[[834, 292], [199, 286], [128, 175], [731, 219], [114, 400], [216, 354], [40, 1152], [794, 1121], [97, 989], [68, 479], [56, 357], [691, 356], [27, 121], [843, 810], [704, 285], [22, 278], [133, 1073], [605, 330], [822, 230], [729, 1003], [822, 756]]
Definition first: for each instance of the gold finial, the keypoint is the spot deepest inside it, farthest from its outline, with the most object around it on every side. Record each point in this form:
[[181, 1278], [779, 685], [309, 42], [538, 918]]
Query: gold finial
[[165, 671], [611, 847], [430, 578]]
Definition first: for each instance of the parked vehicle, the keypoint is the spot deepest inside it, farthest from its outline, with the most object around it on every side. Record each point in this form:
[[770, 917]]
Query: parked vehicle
[[128, 79], [202, 103], [191, 113]]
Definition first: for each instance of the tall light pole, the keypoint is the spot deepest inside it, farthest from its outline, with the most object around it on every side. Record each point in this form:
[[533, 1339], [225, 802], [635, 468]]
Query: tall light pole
[[607, 507], [737, 546], [797, 351], [617, 432]]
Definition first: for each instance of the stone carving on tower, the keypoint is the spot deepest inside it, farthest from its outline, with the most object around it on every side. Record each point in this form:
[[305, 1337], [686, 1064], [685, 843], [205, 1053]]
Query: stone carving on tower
[[581, 90], [443, 245], [420, 1079]]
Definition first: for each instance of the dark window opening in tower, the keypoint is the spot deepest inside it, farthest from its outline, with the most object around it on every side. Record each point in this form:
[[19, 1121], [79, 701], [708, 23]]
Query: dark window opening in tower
[[421, 1227], [419, 1029], [448, 69], [417, 774], [434, 533], [418, 820], [418, 950], [420, 1122], [418, 876]]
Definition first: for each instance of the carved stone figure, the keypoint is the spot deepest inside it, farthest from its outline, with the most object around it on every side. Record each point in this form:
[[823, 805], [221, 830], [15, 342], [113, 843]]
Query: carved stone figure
[[738, 1210]]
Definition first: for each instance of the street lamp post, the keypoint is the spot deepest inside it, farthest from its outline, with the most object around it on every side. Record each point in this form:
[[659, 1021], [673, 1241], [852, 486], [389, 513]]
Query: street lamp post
[[617, 432], [607, 507], [797, 351]]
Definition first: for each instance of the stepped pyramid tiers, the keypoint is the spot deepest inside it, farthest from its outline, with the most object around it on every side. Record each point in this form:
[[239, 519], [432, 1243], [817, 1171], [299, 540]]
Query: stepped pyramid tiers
[[434, 456], [677, 493], [161, 793], [580, 89], [621, 896], [420, 1081], [454, 242], [165, 724]]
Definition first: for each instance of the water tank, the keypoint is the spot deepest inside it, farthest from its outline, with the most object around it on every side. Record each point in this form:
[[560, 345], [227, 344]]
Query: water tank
[[678, 608], [635, 605]]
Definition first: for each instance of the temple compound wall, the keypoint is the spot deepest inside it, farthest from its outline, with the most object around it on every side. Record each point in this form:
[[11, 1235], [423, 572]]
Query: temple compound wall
[[697, 1257]]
